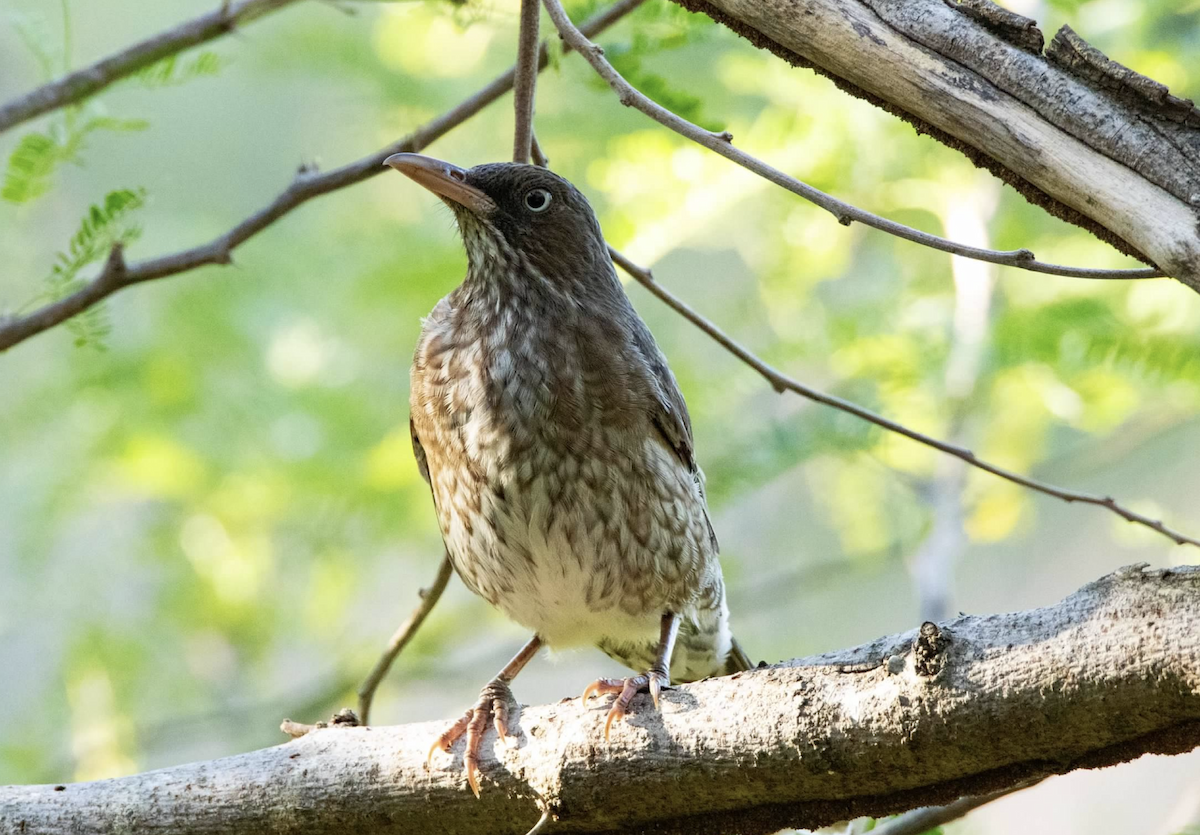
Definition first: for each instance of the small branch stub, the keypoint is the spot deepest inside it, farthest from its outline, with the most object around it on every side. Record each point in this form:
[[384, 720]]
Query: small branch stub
[[344, 718], [929, 649]]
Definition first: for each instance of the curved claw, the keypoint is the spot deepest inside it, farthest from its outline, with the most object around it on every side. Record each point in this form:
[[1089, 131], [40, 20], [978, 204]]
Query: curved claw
[[492, 707], [472, 764], [500, 720], [626, 689], [602, 687], [613, 715]]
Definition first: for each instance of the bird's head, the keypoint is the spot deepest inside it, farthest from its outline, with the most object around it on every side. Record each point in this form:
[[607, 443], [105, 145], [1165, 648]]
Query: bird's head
[[508, 211]]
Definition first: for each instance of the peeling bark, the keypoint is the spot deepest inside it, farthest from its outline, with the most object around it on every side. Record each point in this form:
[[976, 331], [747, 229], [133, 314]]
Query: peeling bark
[[971, 705], [1087, 139]]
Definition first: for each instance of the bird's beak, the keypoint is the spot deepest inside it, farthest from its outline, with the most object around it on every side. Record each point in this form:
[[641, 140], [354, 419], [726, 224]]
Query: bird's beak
[[443, 179]]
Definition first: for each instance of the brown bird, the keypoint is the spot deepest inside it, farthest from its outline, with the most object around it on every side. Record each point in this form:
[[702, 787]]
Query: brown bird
[[558, 448]]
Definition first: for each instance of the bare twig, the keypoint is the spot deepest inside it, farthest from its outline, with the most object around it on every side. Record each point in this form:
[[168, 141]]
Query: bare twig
[[781, 383], [526, 80], [304, 187], [922, 820], [401, 637], [344, 718], [536, 153], [85, 82], [722, 143], [541, 825], [296, 729]]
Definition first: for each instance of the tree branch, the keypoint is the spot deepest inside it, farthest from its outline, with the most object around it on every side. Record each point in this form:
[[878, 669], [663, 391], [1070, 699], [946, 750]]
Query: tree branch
[[526, 80], [722, 143], [1081, 136], [781, 383], [979, 705], [304, 187], [88, 81], [401, 637]]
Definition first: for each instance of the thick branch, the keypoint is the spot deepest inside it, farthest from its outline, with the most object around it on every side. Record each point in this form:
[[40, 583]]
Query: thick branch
[[305, 187], [722, 143], [978, 705], [90, 80], [1082, 136]]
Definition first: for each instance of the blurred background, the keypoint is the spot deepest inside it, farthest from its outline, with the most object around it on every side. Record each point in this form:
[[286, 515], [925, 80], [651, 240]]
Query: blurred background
[[209, 513]]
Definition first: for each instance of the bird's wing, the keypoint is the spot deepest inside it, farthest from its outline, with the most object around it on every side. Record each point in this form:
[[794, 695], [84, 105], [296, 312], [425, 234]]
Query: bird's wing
[[670, 413], [419, 452], [670, 416], [738, 660]]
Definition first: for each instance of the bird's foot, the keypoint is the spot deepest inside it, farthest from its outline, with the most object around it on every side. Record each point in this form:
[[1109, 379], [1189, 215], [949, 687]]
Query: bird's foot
[[493, 704], [653, 682]]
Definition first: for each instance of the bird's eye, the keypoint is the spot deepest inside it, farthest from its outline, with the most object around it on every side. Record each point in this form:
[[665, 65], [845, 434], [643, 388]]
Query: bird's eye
[[537, 200]]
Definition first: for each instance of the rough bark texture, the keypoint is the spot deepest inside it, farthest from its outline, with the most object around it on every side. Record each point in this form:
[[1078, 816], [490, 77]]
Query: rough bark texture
[[973, 705], [1076, 133]]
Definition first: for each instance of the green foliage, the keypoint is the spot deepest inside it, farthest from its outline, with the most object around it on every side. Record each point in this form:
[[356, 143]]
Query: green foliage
[[101, 228], [175, 70], [629, 64], [1082, 333], [29, 168], [32, 164]]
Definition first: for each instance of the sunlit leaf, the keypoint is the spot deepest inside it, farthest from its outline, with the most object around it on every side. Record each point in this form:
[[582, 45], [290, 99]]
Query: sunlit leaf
[[29, 168]]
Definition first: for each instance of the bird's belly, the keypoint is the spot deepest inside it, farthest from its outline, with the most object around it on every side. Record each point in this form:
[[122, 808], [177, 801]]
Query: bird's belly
[[576, 553]]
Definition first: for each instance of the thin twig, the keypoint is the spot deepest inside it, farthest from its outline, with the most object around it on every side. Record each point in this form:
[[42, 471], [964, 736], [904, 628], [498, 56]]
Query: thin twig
[[306, 185], [401, 637], [525, 83], [85, 82], [922, 820], [541, 825], [536, 152], [722, 143], [781, 383]]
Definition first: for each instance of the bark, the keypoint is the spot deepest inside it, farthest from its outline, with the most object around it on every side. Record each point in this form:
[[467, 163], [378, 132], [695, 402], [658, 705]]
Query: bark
[[976, 705], [1086, 138]]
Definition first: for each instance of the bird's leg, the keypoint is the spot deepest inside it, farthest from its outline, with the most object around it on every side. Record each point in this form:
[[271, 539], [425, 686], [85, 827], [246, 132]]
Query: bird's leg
[[493, 704], [657, 679]]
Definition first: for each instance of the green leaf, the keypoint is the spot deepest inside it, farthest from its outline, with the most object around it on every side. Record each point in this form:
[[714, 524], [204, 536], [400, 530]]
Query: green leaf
[[99, 230], [173, 70], [29, 168], [37, 155]]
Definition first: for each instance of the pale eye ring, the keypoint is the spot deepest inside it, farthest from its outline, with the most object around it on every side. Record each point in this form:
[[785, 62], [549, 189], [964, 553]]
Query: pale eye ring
[[537, 200]]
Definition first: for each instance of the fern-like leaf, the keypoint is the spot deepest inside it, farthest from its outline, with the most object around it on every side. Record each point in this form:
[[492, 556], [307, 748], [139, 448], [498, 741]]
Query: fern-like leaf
[[33, 162], [30, 165], [99, 230], [173, 70]]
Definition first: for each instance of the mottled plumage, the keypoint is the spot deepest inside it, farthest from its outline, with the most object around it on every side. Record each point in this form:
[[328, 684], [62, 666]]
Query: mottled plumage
[[555, 439]]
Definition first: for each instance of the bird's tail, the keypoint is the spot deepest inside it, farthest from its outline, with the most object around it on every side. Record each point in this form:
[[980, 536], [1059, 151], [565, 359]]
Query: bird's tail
[[737, 660]]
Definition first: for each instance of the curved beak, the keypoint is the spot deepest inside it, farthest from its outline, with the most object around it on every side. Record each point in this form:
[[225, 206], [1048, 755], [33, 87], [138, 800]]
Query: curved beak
[[443, 179]]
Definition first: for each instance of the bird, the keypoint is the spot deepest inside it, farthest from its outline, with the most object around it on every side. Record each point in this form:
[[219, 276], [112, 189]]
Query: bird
[[558, 449]]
